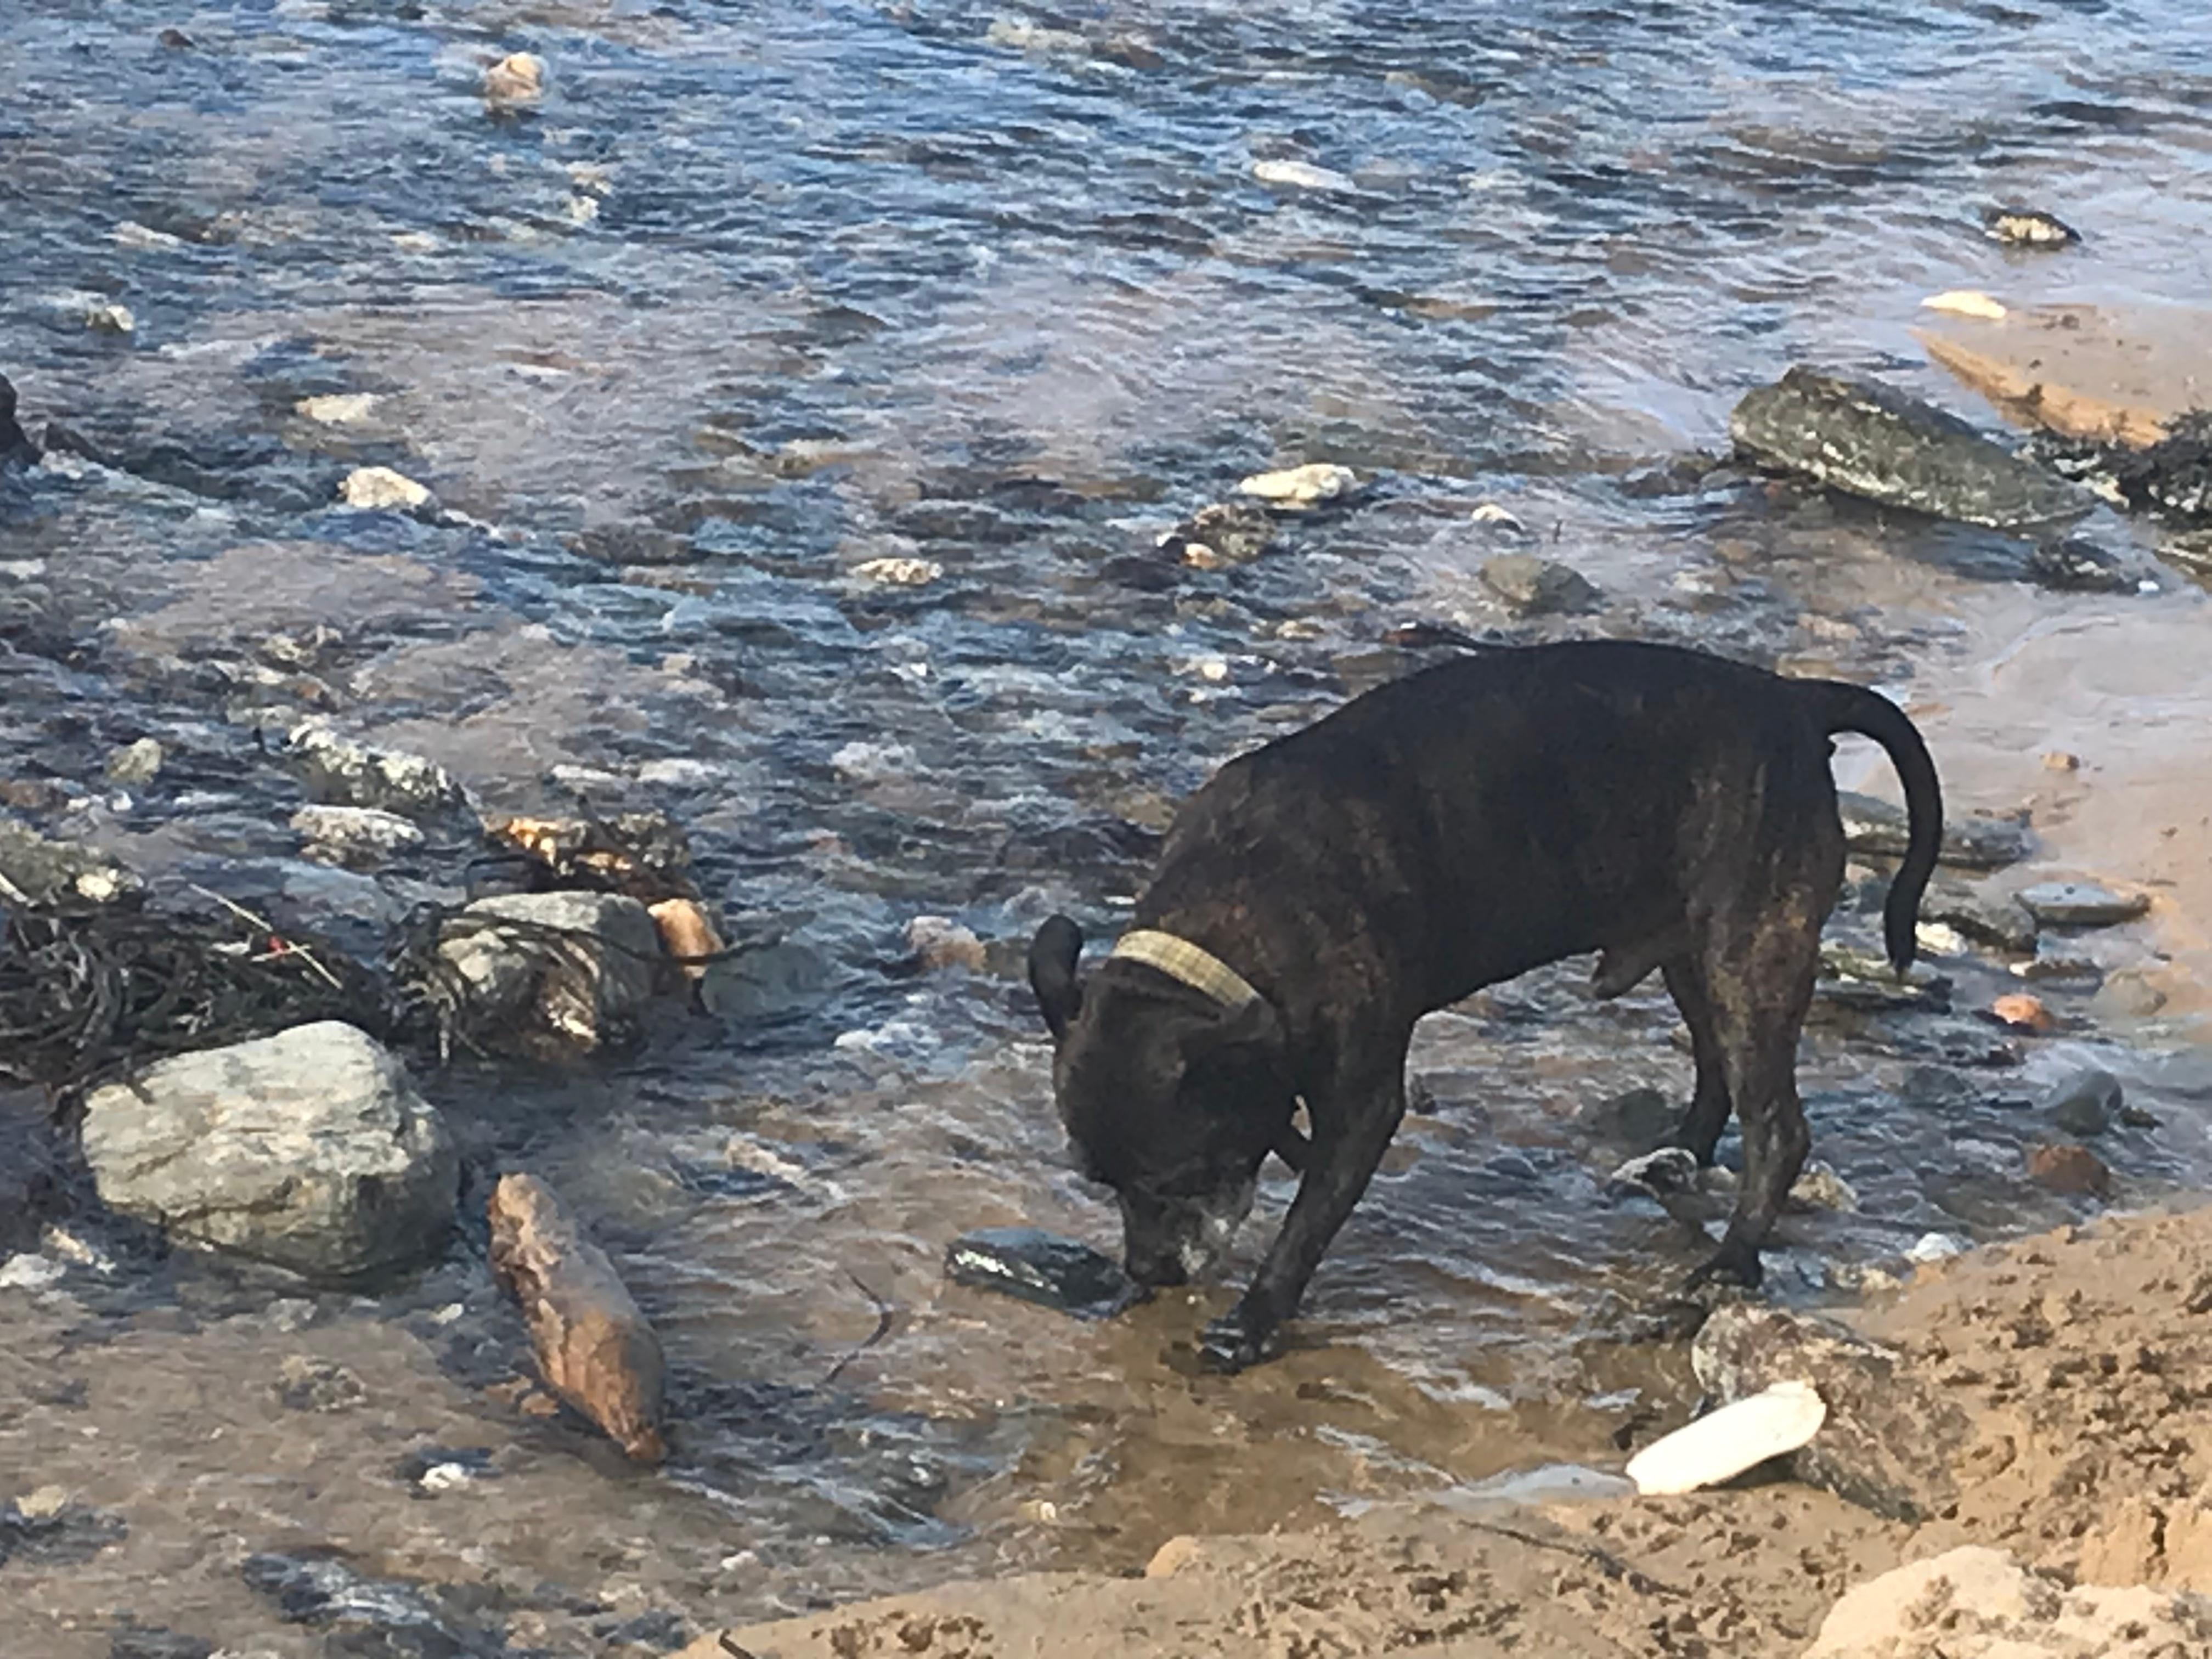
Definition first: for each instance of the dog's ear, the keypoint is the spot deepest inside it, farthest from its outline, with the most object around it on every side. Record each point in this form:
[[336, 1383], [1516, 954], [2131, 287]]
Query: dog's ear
[[1052, 973], [1247, 1038]]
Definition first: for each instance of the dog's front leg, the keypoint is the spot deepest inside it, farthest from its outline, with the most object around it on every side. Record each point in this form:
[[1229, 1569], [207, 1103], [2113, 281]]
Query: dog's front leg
[[1340, 1163]]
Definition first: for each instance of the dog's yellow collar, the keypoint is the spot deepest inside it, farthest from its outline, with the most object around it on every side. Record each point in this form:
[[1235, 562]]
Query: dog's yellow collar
[[1178, 958]]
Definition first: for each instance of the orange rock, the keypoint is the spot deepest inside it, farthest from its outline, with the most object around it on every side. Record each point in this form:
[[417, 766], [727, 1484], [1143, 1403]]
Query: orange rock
[[593, 1346], [2024, 1012], [686, 931], [2117, 374], [2065, 1167]]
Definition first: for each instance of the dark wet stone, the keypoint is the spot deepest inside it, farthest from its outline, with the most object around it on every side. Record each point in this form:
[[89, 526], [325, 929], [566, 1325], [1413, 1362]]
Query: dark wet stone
[[1872, 825], [1669, 1169], [153, 1642], [1226, 532], [15, 445], [2074, 1170], [62, 1536], [1531, 586], [1953, 1042], [1639, 1117], [2172, 478], [2085, 1104], [1037, 1267], [1983, 916], [50, 872], [1869, 440], [1863, 980], [2081, 904], [226, 466], [2028, 226], [2077, 566], [370, 1618], [1889, 1439], [654, 1632]]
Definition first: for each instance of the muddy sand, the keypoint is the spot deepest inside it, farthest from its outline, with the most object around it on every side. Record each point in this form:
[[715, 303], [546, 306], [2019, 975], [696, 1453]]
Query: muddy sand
[[2082, 1360]]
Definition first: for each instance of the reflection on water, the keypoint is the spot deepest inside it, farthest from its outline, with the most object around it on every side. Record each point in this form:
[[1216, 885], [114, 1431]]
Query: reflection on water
[[742, 308]]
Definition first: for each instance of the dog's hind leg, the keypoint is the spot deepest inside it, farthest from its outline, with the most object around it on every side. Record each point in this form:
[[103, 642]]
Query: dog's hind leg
[[1760, 983], [1700, 1130]]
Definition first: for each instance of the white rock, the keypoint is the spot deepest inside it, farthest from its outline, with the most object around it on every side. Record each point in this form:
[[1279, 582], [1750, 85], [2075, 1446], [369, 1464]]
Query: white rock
[[941, 942], [1936, 1247], [899, 573], [446, 1477], [136, 762], [309, 1149], [110, 317], [42, 1503], [341, 409], [1490, 513], [357, 830], [1722, 1444], [379, 489], [130, 234], [516, 80], [31, 1271], [350, 772], [1301, 175], [1301, 486], [1966, 302]]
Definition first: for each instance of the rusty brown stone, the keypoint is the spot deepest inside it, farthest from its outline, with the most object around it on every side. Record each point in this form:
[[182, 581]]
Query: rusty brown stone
[[2116, 374], [2065, 1167], [594, 1348]]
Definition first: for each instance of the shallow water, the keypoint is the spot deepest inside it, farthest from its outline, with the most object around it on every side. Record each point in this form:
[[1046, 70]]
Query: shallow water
[[751, 299]]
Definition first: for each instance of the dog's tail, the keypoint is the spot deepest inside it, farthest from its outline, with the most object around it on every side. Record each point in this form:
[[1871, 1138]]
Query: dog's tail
[[1855, 708]]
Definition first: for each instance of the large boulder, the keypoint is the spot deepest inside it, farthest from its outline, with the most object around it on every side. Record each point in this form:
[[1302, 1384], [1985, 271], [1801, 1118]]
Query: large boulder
[[308, 1149], [1890, 1442]]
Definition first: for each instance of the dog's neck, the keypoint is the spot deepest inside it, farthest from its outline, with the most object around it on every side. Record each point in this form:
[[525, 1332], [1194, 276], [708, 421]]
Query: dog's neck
[[1192, 964]]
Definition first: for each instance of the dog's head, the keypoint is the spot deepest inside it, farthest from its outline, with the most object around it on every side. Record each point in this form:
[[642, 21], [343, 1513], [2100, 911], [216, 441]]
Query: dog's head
[[1168, 1098]]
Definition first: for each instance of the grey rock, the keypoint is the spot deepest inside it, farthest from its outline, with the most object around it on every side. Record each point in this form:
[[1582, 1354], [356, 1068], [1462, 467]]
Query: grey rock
[[1639, 1117], [342, 771], [2085, 1103], [1869, 440], [305, 1384], [576, 967], [2076, 565], [1531, 586], [136, 763], [1981, 915], [1669, 1169], [1890, 1439], [308, 1149], [2081, 904], [37, 870], [327, 1594], [1873, 826], [364, 834], [2127, 994], [1819, 1186], [1864, 979], [1225, 533]]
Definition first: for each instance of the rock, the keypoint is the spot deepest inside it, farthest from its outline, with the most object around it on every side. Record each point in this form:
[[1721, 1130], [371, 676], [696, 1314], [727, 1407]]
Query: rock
[[2085, 1104], [1978, 1603], [687, 934], [1869, 440], [382, 1618], [1820, 1187], [1301, 175], [1865, 979], [1490, 513], [1936, 1247], [342, 771], [2059, 760], [135, 1641], [644, 854], [1986, 917], [309, 1149], [2064, 1168], [48, 1527], [2077, 565], [2025, 1013], [1299, 488], [338, 408], [594, 1348], [1965, 302], [2127, 994], [2081, 904], [16, 445], [1036, 1266], [36, 871], [1726, 1443], [1669, 1169], [1873, 826], [1889, 1439], [516, 81], [1222, 534], [379, 489], [135, 763], [110, 317], [1531, 586], [897, 573], [29, 1271], [2105, 374], [355, 834], [304, 1384], [2026, 227], [940, 942], [1639, 1117], [578, 966]]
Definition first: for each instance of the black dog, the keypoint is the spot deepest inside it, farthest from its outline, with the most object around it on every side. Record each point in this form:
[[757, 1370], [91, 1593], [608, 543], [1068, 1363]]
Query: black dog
[[1665, 808]]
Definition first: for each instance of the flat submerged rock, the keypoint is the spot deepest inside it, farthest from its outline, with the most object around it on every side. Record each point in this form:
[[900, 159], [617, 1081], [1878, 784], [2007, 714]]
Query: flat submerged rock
[[1034, 1265]]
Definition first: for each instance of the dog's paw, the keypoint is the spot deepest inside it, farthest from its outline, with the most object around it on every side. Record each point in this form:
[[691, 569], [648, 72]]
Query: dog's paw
[[1231, 1344], [1733, 1264]]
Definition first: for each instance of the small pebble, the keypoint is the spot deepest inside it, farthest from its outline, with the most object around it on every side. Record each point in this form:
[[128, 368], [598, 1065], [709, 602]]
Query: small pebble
[[446, 1477], [42, 1503], [1820, 1187], [108, 317], [515, 81], [136, 763], [2075, 1171], [1966, 302], [1490, 513], [1300, 175], [30, 1272], [378, 488], [898, 573], [2024, 1012], [2058, 760], [1301, 487], [941, 942], [1936, 1247], [2024, 227]]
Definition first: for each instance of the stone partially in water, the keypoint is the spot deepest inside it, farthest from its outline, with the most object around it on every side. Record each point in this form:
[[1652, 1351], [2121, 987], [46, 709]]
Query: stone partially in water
[[2077, 566], [580, 967], [2028, 226], [1669, 1169], [1531, 586], [351, 833], [1986, 917], [2082, 904], [1223, 533], [341, 771], [1869, 440], [36, 871], [1299, 488], [1873, 826], [1034, 1265], [309, 1149], [379, 489], [2085, 1104]]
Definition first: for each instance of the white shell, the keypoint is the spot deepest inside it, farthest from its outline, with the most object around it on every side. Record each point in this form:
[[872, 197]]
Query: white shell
[[1722, 1444]]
